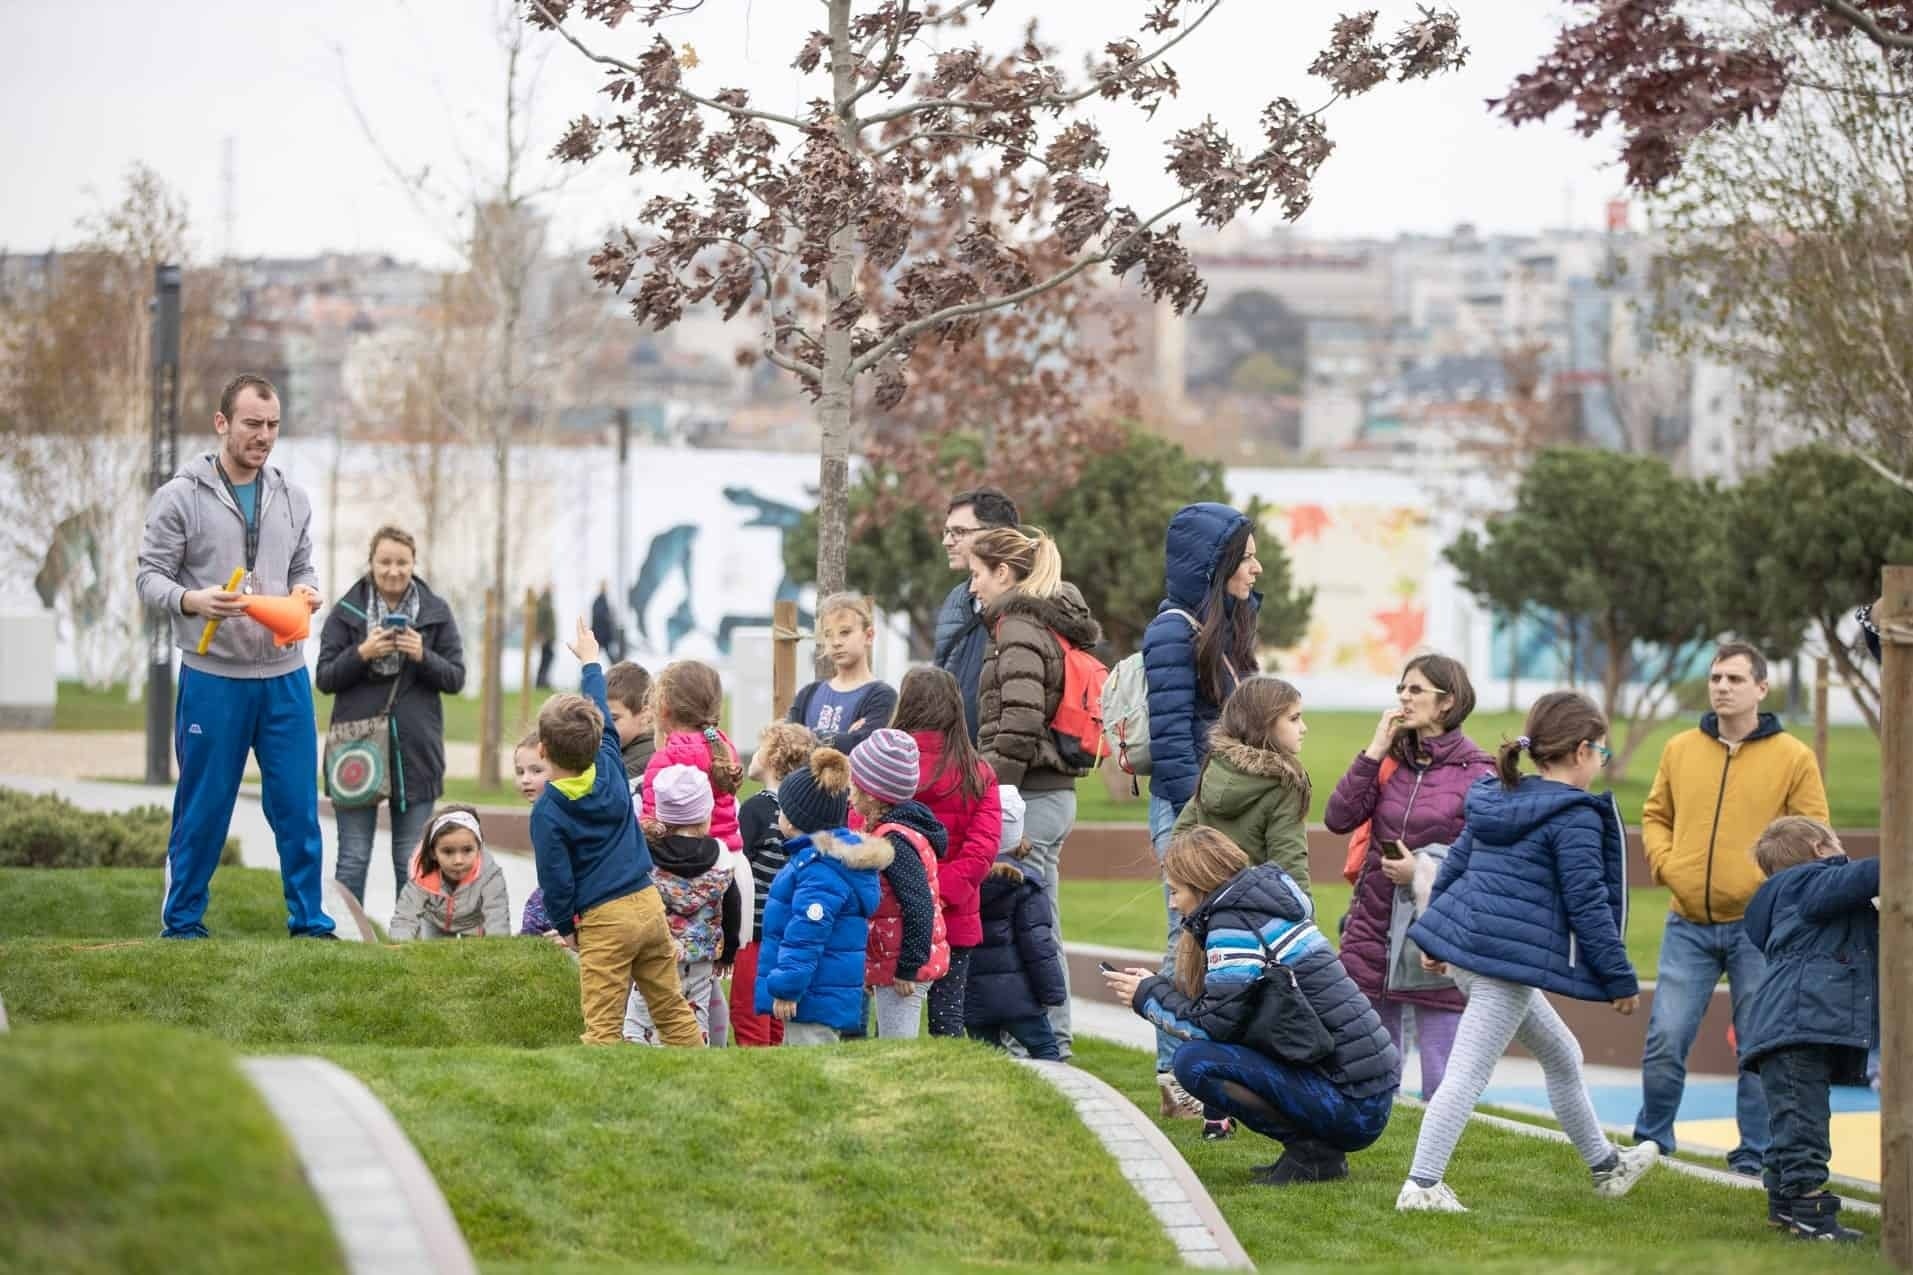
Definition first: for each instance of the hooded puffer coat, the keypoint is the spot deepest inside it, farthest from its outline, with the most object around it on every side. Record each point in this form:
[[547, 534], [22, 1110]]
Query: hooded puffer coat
[[1022, 683]]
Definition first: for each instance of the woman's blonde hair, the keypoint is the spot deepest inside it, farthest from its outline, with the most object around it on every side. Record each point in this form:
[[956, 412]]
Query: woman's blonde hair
[[1030, 554], [1200, 860]]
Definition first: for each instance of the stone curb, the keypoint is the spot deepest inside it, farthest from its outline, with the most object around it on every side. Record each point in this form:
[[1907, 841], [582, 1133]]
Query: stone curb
[[384, 1205], [360, 928], [1153, 1166], [1719, 1177]]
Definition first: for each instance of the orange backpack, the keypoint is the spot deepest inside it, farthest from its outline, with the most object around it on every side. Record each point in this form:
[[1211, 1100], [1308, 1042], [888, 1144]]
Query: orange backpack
[[1358, 840]]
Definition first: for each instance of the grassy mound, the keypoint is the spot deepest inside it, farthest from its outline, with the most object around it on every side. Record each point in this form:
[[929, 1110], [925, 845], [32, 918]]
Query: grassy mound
[[1533, 1206], [286, 993], [877, 1155], [1129, 914], [124, 903], [141, 1149]]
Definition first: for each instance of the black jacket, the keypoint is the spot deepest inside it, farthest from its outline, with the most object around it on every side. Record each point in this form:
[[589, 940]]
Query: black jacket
[[418, 771], [1017, 971], [1263, 901]]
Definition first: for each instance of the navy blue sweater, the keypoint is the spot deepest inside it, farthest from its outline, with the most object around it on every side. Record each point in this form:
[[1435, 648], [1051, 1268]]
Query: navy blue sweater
[[584, 835]]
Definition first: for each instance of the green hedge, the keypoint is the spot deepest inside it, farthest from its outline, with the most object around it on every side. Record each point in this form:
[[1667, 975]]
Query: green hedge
[[48, 831]]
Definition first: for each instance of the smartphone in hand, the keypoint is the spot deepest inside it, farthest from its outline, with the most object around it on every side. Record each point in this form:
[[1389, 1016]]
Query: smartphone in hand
[[1396, 849], [397, 621], [1107, 968]]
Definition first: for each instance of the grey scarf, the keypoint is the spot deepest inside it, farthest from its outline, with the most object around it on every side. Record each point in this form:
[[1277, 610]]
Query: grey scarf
[[389, 665]]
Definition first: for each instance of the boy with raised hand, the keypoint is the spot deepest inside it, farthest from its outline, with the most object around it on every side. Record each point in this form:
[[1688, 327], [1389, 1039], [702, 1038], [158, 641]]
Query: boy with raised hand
[[595, 869]]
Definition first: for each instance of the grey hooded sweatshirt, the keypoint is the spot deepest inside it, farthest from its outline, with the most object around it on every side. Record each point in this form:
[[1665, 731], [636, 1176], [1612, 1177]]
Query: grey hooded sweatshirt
[[195, 537]]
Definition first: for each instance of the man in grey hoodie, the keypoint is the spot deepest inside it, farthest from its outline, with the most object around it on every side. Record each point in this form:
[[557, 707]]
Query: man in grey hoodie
[[223, 512]]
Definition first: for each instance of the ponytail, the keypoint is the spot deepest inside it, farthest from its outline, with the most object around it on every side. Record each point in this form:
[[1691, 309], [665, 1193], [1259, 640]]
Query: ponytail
[[1030, 554], [1558, 724], [1046, 566], [1508, 762], [726, 775]]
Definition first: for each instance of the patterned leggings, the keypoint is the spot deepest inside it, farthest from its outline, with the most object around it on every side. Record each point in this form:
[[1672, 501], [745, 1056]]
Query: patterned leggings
[[1498, 1013], [946, 995]]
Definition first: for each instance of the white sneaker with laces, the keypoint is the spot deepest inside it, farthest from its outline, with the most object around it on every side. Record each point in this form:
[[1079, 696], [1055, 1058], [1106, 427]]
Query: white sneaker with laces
[[1439, 1198], [1635, 1162]]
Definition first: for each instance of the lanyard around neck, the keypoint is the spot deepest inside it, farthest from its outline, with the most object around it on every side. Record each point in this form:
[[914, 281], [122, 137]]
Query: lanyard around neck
[[252, 523]]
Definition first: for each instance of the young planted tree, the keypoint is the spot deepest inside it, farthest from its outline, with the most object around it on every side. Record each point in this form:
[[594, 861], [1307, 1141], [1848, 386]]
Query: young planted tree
[[807, 220], [1620, 550]]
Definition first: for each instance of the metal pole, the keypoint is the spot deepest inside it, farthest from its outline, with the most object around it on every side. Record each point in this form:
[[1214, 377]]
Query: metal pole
[[165, 417], [621, 594], [1894, 616]]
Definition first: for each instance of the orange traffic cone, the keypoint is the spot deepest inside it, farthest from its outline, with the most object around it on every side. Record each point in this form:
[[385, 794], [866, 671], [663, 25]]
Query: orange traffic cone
[[288, 616]]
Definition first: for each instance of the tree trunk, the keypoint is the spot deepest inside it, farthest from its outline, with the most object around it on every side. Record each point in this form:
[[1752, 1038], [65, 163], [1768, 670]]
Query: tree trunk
[[1613, 680], [833, 410], [1865, 693]]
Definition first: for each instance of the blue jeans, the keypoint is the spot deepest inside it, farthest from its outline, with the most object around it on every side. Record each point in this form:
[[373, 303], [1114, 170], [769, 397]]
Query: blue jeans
[[1162, 821], [217, 722], [358, 830], [1798, 1084], [1693, 957], [1297, 1104], [1034, 1034]]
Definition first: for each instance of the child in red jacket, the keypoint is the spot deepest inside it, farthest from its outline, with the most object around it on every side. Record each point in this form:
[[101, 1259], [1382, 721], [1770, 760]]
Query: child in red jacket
[[960, 790]]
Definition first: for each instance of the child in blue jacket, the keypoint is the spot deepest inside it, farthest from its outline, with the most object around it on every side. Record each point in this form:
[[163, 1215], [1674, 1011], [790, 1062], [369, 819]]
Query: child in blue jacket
[[595, 869], [1811, 1020], [1532, 898], [810, 973]]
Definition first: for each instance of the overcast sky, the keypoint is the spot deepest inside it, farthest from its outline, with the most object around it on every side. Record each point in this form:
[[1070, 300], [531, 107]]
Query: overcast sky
[[92, 86]]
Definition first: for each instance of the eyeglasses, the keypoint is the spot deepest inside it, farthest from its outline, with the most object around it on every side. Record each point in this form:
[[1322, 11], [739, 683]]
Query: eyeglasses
[[1607, 754], [1413, 691], [957, 533]]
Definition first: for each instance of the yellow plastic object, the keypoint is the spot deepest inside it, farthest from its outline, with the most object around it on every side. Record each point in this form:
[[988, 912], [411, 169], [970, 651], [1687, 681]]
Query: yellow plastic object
[[206, 634]]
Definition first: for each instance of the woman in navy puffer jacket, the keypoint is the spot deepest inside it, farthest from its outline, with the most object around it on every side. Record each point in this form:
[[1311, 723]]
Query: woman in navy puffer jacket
[[1201, 643], [1532, 898]]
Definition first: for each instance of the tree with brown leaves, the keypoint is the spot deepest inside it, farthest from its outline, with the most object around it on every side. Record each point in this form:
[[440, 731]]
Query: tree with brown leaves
[[808, 221]]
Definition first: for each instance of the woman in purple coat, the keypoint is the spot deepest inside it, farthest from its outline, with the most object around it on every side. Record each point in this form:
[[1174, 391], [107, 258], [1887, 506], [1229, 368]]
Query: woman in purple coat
[[1430, 766]]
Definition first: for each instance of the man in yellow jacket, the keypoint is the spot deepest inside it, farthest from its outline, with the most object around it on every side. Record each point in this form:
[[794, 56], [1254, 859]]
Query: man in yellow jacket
[[1717, 789]]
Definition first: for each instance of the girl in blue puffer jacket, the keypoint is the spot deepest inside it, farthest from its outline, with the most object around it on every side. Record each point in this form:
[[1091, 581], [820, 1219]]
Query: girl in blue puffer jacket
[[1531, 898], [810, 973]]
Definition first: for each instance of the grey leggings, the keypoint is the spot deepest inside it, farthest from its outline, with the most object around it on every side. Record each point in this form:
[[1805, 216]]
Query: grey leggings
[[1498, 1013]]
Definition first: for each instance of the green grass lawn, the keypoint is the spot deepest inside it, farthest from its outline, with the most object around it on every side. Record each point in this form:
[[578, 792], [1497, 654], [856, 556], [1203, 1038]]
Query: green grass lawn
[[1533, 1206], [80, 903], [880, 1155], [267, 994], [1129, 914], [78, 707], [137, 1148]]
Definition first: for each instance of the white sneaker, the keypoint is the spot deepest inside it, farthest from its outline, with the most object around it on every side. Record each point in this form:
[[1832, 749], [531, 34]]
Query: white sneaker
[[1635, 1162], [1439, 1198]]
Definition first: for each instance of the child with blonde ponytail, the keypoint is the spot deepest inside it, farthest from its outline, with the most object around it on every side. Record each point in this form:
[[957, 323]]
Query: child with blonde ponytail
[[688, 697]]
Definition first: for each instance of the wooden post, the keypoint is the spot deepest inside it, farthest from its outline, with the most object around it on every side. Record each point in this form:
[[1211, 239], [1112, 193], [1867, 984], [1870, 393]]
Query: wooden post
[[784, 639], [1820, 715], [1894, 616], [524, 663], [491, 698]]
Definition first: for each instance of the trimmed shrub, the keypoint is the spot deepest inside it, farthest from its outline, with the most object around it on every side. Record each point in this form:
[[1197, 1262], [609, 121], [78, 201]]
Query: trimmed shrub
[[48, 831]]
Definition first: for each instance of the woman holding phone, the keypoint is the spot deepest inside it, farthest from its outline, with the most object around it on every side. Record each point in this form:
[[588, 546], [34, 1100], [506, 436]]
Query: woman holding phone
[[390, 647], [1410, 787]]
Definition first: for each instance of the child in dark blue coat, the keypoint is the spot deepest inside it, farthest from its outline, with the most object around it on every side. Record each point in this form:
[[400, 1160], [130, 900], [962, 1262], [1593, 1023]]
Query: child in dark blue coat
[[817, 920], [1016, 973], [1532, 898], [1811, 1020]]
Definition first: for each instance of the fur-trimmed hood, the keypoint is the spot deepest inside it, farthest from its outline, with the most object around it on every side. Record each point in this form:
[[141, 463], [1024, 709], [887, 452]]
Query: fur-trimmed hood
[[1065, 612], [1237, 775], [848, 848]]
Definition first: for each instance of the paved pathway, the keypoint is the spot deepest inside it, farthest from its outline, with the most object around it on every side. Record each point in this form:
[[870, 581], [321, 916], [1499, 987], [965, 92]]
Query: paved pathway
[[385, 1207]]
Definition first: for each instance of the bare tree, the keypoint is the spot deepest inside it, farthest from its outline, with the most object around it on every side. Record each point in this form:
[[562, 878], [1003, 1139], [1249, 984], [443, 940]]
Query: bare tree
[[790, 215], [512, 317]]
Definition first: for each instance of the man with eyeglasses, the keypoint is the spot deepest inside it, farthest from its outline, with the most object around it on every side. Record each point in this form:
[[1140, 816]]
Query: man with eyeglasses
[[1717, 788], [961, 639]]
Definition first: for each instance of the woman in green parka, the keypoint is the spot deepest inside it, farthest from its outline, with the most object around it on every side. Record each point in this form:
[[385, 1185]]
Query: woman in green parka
[[1253, 788]]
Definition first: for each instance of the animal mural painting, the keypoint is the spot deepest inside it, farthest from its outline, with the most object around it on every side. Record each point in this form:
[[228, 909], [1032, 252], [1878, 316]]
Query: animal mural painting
[[667, 567]]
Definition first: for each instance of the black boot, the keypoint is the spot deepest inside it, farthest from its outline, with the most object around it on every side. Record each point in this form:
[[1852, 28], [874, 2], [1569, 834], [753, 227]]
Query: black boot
[[1816, 1217], [1304, 1161]]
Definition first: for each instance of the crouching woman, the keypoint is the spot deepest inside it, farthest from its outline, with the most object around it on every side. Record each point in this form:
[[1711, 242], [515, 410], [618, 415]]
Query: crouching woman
[[1278, 1035]]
